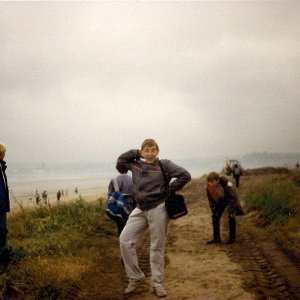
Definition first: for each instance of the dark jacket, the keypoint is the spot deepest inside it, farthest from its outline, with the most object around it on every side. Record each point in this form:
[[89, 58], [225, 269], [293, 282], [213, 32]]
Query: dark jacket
[[229, 198], [4, 192], [148, 181]]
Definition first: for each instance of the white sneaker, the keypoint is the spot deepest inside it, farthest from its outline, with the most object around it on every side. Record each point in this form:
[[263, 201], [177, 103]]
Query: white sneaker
[[133, 285], [159, 291]]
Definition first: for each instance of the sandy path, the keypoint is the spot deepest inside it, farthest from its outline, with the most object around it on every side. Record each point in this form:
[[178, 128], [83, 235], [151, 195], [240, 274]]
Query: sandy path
[[195, 270], [252, 268]]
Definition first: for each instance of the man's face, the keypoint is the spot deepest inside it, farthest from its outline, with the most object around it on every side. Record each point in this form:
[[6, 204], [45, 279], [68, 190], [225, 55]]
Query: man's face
[[149, 153], [214, 182]]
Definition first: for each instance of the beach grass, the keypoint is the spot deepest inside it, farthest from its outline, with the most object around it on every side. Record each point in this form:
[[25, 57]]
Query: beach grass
[[54, 246], [277, 200]]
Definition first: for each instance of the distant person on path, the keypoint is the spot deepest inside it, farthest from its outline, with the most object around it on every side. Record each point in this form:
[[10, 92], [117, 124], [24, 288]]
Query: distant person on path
[[222, 194], [236, 173], [76, 191], [58, 195], [297, 166], [37, 198], [122, 183], [150, 192], [4, 207], [45, 197]]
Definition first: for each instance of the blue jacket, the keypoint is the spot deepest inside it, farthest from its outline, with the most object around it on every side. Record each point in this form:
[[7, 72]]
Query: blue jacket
[[4, 193]]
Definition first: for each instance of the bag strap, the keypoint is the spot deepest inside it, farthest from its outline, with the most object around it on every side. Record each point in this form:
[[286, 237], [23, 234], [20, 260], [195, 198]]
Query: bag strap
[[163, 171], [165, 177], [115, 184]]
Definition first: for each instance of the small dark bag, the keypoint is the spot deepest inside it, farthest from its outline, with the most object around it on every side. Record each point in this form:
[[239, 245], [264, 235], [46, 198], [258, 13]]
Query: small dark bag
[[175, 204]]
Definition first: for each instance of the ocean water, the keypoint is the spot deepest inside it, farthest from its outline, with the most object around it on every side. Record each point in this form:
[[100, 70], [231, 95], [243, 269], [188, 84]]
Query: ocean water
[[25, 179]]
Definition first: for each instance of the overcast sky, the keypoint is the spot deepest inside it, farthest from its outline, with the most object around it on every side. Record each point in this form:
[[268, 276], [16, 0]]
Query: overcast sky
[[86, 81]]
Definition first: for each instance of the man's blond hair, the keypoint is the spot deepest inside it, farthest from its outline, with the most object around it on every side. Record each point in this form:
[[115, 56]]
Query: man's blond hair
[[2, 147], [149, 143]]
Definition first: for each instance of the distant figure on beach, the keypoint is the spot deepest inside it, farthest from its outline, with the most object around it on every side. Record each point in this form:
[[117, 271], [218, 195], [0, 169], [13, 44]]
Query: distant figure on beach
[[45, 197], [4, 208], [297, 166], [222, 194], [37, 198], [76, 191], [58, 195], [236, 173], [122, 183]]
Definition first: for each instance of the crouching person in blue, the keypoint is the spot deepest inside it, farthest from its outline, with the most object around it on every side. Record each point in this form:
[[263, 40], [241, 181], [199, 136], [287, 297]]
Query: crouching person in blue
[[4, 206], [149, 193], [221, 195]]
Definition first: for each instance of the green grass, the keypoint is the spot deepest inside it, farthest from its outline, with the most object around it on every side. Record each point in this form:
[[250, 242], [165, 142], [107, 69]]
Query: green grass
[[296, 177], [276, 200], [53, 247]]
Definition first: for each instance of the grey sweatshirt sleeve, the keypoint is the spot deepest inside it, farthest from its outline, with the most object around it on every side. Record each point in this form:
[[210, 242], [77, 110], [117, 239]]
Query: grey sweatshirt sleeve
[[174, 171], [126, 159]]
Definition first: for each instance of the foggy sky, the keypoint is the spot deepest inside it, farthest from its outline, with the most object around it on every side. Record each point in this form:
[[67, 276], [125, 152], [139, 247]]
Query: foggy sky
[[86, 81]]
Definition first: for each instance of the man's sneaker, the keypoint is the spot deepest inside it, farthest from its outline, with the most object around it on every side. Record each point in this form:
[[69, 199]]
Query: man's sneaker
[[214, 241], [159, 291], [133, 285]]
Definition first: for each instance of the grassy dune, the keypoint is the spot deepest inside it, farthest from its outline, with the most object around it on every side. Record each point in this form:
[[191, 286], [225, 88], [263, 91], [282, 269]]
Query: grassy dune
[[54, 246], [276, 198]]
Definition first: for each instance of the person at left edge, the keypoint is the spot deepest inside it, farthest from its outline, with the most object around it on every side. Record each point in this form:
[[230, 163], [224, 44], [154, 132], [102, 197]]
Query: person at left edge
[[4, 203]]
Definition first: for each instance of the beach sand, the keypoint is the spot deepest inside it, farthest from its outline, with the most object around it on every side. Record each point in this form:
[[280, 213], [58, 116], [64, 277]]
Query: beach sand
[[88, 194]]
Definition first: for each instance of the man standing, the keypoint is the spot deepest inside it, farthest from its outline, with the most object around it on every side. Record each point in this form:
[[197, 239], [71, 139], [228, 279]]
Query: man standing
[[236, 173], [4, 204], [150, 192]]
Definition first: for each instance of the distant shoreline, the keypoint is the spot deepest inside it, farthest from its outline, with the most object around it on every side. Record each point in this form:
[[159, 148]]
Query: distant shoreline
[[88, 194]]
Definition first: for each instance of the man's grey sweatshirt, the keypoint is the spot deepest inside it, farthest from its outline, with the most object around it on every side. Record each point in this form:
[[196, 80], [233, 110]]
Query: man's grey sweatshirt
[[149, 186]]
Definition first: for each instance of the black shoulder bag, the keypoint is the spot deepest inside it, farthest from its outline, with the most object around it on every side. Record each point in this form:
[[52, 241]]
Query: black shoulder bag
[[175, 204]]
